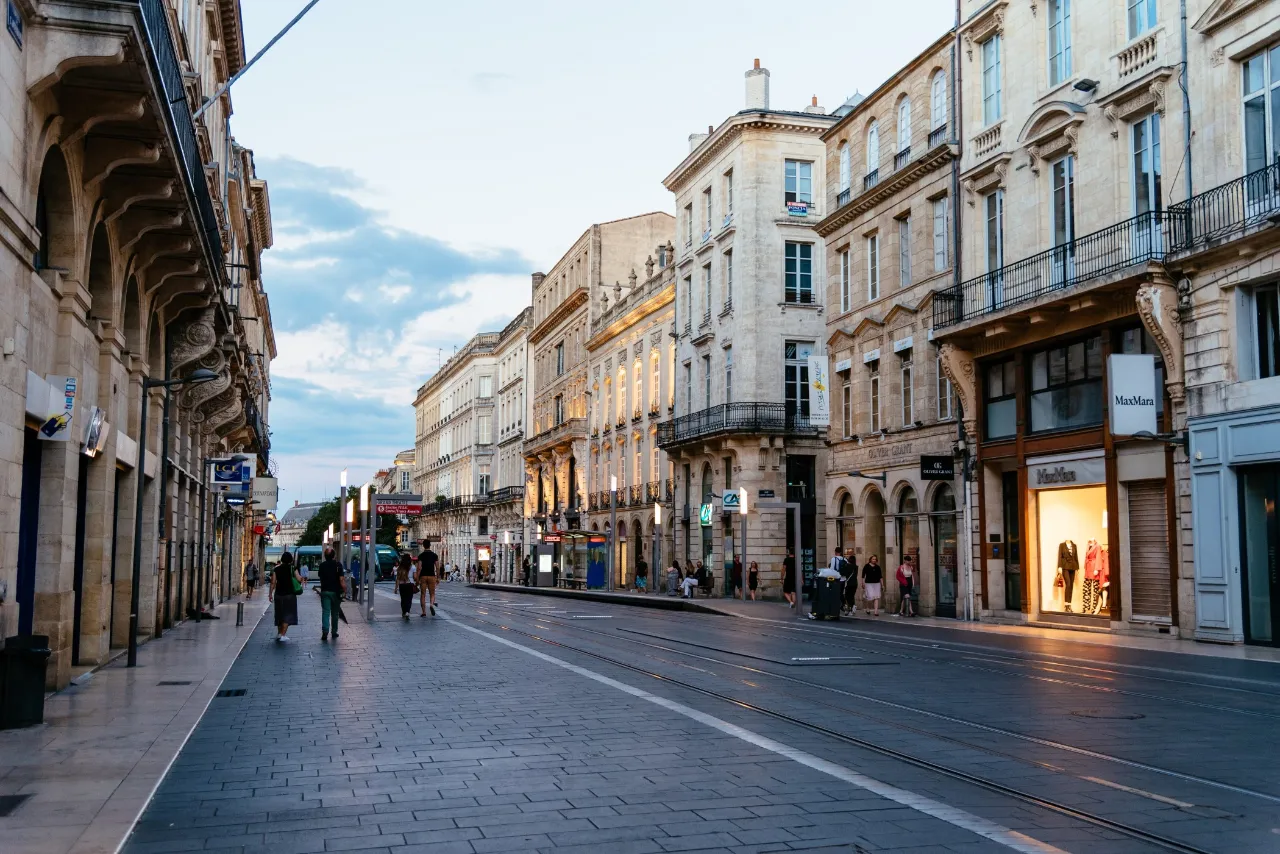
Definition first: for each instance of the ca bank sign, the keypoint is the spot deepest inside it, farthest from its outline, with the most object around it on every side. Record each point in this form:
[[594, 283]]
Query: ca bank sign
[[1132, 395]]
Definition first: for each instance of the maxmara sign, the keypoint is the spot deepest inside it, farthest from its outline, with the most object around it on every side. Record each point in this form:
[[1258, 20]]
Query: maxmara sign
[[1066, 472], [1131, 393]]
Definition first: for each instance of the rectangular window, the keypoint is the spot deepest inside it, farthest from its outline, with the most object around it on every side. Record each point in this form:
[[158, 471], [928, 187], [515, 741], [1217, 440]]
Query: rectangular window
[[1001, 390], [485, 486], [993, 205], [1260, 76], [688, 302], [655, 382], [1142, 16], [991, 107], [560, 358], [728, 194], [1147, 195], [728, 375], [799, 273], [1066, 386], [1059, 41], [1266, 332], [706, 209], [688, 225], [728, 280], [486, 387], [908, 395], [845, 283], [873, 268], [655, 474], [904, 252], [559, 414], [1063, 209], [688, 388], [939, 234], [846, 404], [706, 293], [796, 377], [706, 373], [874, 385], [944, 394], [799, 181], [484, 427]]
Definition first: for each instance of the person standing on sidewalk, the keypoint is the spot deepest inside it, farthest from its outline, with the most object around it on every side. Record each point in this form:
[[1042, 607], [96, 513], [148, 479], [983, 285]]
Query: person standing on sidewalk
[[404, 586], [250, 577], [906, 583], [753, 579], [427, 561], [332, 583], [355, 578], [789, 578], [737, 577], [872, 576], [642, 575], [285, 580]]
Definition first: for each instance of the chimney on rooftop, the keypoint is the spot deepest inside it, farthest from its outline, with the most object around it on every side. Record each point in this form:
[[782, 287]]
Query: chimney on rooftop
[[696, 139], [537, 279], [814, 108], [757, 87]]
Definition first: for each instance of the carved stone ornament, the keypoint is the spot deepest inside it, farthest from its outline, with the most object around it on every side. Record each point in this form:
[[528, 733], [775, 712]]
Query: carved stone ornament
[[632, 278], [193, 341], [637, 348], [960, 368], [197, 395], [655, 338], [648, 267], [1158, 308]]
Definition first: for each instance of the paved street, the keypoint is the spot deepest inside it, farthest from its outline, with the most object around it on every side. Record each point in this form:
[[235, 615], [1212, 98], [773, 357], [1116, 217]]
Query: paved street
[[517, 723]]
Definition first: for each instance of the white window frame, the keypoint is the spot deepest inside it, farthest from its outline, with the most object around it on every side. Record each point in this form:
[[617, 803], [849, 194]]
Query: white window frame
[[873, 388], [908, 394], [873, 147], [946, 394], [904, 124], [1058, 20], [706, 292], [904, 251], [873, 267], [940, 234], [846, 404], [801, 173], [846, 281], [706, 207], [688, 387], [728, 278], [688, 224], [728, 193], [484, 429], [728, 374], [846, 167], [992, 86], [1141, 16], [938, 101], [706, 370]]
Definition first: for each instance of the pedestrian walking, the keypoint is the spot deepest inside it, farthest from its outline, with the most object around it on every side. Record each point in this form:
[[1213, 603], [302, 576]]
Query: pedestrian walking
[[673, 577], [404, 585], [841, 568], [427, 561], [872, 575], [789, 578], [737, 577], [305, 571], [850, 575], [753, 579], [906, 583], [286, 584], [642, 575], [250, 577], [524, 571], [332, 586], [355, 578]]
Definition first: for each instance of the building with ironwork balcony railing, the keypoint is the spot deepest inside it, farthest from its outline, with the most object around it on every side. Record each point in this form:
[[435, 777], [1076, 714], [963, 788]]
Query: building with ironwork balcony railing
[[749, 302], [888, 247], [589, 282], [131, 244]]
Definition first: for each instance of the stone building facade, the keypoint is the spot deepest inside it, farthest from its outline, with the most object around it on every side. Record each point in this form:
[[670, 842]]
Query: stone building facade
[[749, 315], [564, 300], [513, 413], [631, 356], [132, 240], [891, 169]]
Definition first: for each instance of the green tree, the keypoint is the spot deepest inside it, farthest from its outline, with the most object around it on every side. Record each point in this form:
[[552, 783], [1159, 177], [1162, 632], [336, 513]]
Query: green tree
[[316, 526]]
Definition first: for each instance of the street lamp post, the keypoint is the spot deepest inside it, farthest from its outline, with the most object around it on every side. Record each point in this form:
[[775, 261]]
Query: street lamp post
[[342, 520], [613, 525], [200, 375], [742, 511], [657, 545]]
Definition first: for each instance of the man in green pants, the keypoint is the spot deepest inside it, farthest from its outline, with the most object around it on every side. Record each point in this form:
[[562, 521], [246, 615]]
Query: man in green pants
[[331, 589]]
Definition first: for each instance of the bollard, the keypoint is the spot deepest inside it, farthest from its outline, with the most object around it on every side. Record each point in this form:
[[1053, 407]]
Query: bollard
[[239, 613]]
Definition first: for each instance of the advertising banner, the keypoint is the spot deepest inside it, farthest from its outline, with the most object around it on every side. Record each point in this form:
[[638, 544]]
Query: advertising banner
[[819, 390], [232, 476], [1132, 393], [61, 407]]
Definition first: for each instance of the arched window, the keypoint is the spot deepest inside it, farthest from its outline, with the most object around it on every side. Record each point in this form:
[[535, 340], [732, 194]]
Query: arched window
[[845, 167], [904, 124], [873, 147], [938, 101]]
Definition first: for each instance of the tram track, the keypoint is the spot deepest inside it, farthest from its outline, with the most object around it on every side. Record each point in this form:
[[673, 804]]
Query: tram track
[[950, 719], [1151, 838]]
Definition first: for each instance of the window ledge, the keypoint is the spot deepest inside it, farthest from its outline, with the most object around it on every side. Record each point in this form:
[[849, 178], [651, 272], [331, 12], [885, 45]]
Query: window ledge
[[804, 306]]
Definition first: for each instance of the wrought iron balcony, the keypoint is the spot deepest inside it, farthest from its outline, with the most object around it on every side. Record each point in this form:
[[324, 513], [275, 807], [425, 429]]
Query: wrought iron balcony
[[871, 179], [734, 418], [1134, 241], [937, 136], [669, 489], [652, 492], [1210, 218], [637, 494], [902, 158], [593, 501], [842, 198], [505, 494]]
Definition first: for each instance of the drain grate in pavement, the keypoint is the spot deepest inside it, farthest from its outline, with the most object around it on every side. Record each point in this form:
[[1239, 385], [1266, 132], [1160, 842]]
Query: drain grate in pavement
[[232, 692], [9, 803], [174, 682], [1100, 715]]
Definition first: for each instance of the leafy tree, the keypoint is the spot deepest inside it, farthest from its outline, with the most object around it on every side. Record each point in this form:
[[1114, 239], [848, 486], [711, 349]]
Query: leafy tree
[[313, 535]]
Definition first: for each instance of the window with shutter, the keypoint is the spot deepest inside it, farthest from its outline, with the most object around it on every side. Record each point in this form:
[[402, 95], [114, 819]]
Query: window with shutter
[[1149, 549]]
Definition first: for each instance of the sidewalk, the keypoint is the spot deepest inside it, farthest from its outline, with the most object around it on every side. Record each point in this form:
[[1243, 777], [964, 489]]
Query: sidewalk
[[779, 612], [89, 771]]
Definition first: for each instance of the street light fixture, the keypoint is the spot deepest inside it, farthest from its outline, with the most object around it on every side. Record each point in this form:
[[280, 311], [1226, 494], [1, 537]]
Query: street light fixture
[[199, 375]]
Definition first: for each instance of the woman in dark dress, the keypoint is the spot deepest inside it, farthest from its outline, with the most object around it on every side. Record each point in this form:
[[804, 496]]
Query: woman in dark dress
[[286, 601], [789, 578]]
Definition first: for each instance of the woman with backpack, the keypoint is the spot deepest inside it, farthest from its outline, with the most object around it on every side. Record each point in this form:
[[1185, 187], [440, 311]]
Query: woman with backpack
[[286, 584]]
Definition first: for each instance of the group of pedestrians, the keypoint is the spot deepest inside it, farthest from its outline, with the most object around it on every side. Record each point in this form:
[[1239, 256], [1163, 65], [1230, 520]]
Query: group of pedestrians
[[423, 582], [872, 577]]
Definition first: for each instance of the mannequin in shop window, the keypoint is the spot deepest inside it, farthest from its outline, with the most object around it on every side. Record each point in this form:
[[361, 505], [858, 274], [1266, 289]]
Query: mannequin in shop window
[[1097, 577], [1068, 564]]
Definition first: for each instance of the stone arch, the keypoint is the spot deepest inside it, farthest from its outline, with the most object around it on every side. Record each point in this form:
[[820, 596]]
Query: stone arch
[[55, 214], [98, 280], [843, 511], [131, 311], [906, 508], [708, 482], [873, 512], [1048, 118]]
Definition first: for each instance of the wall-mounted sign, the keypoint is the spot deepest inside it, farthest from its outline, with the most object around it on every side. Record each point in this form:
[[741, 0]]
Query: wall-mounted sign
[[58, 412], [1131, 393], [13, 22], [819, 391], [398, 504], [551, 538], [96, 430], [844, 365], [797, 208], [730, 499], [704, 514], [1064, 473], [266, 492], [937, 468], [482, 552], [903, 344], [871, 356], [764, 493], [232, 476]]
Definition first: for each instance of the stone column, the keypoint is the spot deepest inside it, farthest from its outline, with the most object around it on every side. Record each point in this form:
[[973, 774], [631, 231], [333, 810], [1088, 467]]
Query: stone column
[[121, 590]]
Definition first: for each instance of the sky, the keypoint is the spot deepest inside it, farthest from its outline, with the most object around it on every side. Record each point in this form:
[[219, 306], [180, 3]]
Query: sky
[[424, 158]]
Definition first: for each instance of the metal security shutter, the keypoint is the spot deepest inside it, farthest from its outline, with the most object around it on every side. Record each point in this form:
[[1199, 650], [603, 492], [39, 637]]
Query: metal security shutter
[[1149, 549]]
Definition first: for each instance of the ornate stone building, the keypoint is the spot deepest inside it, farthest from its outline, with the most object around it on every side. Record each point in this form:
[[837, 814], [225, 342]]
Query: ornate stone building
[[132, 239], [891, 169], [565, 300], [749, 320], [632, 359], [514, 408]]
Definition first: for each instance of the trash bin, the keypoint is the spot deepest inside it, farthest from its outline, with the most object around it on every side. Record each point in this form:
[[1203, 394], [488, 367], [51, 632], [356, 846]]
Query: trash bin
[[827, 597], [23, 662]]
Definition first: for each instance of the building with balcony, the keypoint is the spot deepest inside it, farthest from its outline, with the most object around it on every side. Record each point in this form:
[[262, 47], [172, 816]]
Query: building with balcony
[[565, 300], [456, 452], [513, 414], [749, 321], [132, 243], [1072, 129], [631, 355], [890, 243]]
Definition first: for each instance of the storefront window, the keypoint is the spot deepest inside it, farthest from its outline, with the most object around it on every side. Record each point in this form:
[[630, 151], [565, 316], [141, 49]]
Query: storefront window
[[1071, 535], [945, 550], [844, 525], [1066, 386], [1002, 404]]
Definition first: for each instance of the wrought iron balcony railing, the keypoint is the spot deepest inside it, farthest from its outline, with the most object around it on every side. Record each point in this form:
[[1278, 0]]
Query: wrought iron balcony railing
[[842, 198], [902, 158], [1134, 241], [637, 494], [505, 494], [937, 136], [669, 489], [871, 179], [652, 492], [1208, 218], [734, 418]]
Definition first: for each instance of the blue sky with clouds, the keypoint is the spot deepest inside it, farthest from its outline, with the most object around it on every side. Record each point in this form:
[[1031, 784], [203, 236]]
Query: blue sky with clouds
[[424, 158]]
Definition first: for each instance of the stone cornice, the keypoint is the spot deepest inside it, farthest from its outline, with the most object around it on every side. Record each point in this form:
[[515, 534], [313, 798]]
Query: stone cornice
[[730, 131], [575, 300], [932, 161]]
